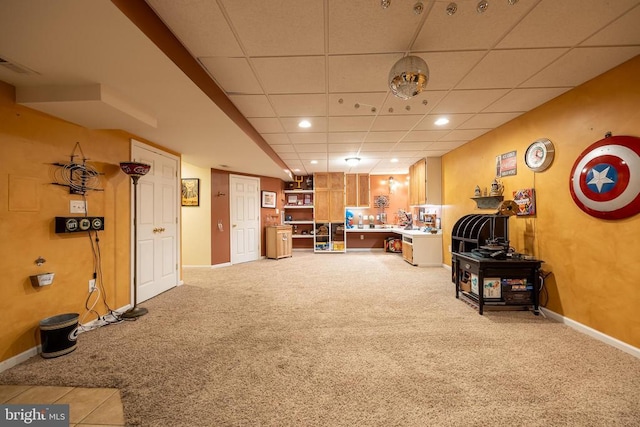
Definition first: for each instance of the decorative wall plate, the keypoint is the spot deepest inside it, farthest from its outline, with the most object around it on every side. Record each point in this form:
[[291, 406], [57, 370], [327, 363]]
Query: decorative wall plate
[[605, 179], [539, 155]]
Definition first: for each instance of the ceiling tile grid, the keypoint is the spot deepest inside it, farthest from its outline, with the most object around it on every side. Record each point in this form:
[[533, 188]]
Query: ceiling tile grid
[[327, 61]]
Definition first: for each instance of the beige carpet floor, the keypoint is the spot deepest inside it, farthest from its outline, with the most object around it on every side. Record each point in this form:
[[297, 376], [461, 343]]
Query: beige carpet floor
[[358, 339]]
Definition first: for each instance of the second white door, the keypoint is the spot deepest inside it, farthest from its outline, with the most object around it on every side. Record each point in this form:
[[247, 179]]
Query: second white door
[[245, 218]]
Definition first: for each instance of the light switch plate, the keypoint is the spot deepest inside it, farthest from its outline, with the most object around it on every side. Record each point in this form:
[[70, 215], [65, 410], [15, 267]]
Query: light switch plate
[[77, 206]]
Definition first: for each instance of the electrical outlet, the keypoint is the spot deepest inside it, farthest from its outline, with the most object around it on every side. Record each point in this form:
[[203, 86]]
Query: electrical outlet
[[77, 206], [92, 285]]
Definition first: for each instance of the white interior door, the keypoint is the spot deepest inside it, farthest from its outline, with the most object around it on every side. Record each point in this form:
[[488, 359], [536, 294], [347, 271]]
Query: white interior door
[[245, 218], [157, 228]]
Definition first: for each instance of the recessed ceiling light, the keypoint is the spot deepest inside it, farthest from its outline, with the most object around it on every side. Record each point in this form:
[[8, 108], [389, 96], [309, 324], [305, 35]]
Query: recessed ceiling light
[[296, 170], [304, 124], [314, 162], [441, 121], [394, 160]]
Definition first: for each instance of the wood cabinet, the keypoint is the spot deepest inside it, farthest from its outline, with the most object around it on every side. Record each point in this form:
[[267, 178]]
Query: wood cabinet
[[422, 249], [278, 241], [425, 182], [357, 190], [329, 200], [329, 205]]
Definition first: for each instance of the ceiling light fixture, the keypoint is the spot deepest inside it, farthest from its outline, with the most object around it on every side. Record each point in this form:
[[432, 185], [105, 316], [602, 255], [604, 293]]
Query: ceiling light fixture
[[352, 161], [394, 160], [408, 77], [482, 6], [441, 121], [304, 124], [314, 162], [452, 8]]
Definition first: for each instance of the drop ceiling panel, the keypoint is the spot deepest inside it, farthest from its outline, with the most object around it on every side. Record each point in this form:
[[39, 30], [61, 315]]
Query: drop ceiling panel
[[266, 125], [311, 148], [253, 105], [410, 146], [199, 25], [280, 28], [623, 31], [508, 68], [522, 100], [488, 120], [288, 148], [377, 146], [468, 101], [582, 64], [308, 138], [343, 148], [234, 75], [467, 29], [360, 73], [446, 69], [297, 74], [348, 124], [394, 123], [318, 124], [355, 104], [455, 120], [276, 138], [425, 135], [338, 137], [399, 22], [547, 25], [463, 135], [444, 146], [416, 105], [299, 105], [384, 136]]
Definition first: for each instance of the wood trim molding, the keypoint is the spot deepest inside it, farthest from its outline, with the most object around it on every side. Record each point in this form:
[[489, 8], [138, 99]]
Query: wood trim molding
[[142, 16]]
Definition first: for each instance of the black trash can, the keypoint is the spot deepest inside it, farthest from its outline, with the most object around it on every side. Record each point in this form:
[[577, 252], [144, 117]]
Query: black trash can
[[58, 334]]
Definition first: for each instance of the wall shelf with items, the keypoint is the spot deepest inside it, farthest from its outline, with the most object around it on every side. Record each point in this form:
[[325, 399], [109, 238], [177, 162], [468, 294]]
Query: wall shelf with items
[[299, 214], [329, 237], [488, 202]]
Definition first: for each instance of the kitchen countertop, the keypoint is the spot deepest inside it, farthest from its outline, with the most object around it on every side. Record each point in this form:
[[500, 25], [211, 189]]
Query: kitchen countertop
[[397, 229]]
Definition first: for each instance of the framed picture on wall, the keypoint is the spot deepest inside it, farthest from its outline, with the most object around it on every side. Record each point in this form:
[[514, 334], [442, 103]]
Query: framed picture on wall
[[268, 199], [190, 191]]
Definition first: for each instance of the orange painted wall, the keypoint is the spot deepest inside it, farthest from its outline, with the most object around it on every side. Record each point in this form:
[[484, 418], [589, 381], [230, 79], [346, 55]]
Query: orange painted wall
[[378, 186], [29, 143], [594, 262]]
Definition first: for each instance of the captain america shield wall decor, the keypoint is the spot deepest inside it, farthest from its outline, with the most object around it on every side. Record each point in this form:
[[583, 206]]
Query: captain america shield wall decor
[[605, 179]]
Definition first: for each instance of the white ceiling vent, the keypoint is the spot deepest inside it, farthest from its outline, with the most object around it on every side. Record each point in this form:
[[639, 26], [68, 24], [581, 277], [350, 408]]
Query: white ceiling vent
[[15, 67]]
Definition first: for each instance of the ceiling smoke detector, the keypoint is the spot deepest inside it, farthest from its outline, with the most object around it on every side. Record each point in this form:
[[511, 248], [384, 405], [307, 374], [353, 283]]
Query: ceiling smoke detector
[[408, 77]]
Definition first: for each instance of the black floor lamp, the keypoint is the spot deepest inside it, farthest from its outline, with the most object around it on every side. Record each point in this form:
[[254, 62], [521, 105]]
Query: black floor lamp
[[135, 170]]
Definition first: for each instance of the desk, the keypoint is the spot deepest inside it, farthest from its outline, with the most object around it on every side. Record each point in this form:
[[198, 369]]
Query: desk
[[511, 284]]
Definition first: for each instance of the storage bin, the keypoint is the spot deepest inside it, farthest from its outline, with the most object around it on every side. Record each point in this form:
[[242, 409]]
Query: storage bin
[[58, 334]]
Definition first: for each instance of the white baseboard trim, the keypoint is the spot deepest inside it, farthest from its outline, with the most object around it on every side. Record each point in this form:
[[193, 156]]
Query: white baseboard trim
[[18, 359], [620, 345], [224, 264], [197, 266], [34, 351]]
